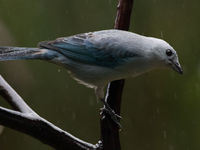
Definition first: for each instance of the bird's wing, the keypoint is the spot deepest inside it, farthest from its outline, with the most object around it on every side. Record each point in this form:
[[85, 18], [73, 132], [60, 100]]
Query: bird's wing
[[84, 49]]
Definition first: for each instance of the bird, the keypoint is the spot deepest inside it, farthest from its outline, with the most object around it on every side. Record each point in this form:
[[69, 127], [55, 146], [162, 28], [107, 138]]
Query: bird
[[96, 58]]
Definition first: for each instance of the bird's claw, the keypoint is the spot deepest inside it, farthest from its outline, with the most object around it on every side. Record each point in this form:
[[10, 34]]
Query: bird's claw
[[115, 117]]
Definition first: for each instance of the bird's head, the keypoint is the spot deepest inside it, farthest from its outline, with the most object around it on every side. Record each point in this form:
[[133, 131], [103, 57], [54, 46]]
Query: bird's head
[[167, 56]]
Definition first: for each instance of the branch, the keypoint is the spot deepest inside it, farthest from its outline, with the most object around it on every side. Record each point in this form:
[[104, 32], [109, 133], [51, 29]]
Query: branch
[[7, 92], [109, 131], [27, 121]]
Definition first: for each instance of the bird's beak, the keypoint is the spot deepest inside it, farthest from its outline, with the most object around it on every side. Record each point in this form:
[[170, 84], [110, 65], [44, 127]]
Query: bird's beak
[[176, 66]]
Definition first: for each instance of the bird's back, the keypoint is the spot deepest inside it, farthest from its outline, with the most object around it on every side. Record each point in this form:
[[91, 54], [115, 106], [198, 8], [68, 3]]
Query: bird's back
[[95, 57]]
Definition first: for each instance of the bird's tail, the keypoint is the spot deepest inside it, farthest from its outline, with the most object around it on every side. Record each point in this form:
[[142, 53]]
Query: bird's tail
[[21, 53]]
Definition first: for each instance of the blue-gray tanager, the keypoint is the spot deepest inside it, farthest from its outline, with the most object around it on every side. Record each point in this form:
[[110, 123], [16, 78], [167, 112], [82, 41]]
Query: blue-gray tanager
[[96, 58]]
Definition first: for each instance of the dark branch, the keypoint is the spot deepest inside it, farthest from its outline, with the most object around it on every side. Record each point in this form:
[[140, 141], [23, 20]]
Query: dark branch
[[27, 121], [109, 131], [124, 10]]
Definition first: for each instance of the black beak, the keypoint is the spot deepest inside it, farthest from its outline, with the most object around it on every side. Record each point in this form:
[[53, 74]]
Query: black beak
[[177, 67]]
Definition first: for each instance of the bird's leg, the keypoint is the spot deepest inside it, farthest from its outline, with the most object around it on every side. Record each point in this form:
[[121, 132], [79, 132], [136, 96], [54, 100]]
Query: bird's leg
[[115, 117], [99, 91]]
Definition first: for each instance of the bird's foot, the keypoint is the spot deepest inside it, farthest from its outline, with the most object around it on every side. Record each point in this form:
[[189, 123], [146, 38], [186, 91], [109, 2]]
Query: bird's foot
[[115, 117]]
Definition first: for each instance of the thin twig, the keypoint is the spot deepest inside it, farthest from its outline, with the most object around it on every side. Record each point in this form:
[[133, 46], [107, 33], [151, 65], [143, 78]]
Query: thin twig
[[9, 94]]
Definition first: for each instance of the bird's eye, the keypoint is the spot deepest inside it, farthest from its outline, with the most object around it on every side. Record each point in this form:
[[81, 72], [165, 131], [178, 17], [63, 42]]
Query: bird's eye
[[169, 52]]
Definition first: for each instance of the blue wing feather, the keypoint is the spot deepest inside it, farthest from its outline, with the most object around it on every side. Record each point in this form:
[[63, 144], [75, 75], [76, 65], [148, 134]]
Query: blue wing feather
[[80, 49]]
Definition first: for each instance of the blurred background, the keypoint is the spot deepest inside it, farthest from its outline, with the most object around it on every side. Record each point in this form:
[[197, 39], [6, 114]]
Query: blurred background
[[160, 109]]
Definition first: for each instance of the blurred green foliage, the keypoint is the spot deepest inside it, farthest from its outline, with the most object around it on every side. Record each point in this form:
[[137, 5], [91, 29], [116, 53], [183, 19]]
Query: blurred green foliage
[[160, 110]]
